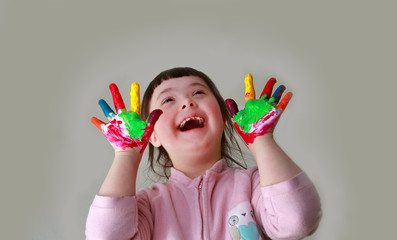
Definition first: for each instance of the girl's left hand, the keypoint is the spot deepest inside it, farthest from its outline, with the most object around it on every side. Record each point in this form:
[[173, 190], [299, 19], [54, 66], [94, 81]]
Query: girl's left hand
[[260, 116]]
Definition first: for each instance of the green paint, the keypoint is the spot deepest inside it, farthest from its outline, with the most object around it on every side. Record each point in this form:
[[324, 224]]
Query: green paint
[[134, 125], [254, 110]]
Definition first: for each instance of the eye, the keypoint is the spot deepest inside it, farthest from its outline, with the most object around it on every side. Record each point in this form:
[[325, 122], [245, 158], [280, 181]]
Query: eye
[[166, 100], [198, 92], [233, 220]]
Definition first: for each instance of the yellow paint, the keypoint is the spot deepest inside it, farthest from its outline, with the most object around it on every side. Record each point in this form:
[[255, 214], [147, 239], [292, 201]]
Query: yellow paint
[[249, 88], [135, 103]]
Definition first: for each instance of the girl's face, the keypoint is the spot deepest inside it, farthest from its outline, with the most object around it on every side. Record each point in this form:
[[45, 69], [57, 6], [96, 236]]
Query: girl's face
[[191, 119]]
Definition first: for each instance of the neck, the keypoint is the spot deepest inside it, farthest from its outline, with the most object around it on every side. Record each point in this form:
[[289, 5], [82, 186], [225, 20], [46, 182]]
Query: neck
[[193, 164]]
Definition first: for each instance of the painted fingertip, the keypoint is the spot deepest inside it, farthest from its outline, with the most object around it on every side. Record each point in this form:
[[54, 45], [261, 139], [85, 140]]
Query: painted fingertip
[[117, 99], [249, 87], [268, 88], [284, 102], [154, 116], [97, 122], [277, 94], [109, 113], [135, 102], [113, 87], [231, 106]]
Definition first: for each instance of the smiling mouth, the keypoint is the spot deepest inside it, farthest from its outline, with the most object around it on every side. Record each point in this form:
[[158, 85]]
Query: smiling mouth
[[191, 123]]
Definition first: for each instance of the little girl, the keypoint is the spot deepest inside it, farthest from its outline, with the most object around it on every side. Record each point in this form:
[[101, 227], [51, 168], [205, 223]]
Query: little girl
[[206, 196]]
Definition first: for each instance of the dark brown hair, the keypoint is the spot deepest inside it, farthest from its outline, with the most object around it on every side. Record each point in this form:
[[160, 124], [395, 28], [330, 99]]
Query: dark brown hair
[[229, 144]]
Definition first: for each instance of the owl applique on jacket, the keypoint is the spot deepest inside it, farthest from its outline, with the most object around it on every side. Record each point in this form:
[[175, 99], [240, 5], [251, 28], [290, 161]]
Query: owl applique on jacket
[[242, 223]]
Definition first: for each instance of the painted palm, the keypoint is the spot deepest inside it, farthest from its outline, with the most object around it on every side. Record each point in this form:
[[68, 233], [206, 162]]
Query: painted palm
[[259, 116]]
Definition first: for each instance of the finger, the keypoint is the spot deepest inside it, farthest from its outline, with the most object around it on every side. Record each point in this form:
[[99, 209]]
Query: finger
[[249, 88], [284, 102], [277, 94], [152, 119], [231, 106], [117, 99], [154, 116], [268, 88], [97, 122], [135, 102], [106, 109]]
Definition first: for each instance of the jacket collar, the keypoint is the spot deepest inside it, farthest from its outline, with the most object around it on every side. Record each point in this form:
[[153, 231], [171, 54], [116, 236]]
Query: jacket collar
[[178, 176]]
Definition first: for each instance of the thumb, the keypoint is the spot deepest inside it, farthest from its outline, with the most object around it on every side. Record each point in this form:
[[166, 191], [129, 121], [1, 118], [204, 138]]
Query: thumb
[[231, 106], [154, 116], [152, 119]]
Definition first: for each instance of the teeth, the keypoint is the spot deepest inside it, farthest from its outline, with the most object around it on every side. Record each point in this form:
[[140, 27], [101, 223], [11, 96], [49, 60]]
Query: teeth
[[191, 118]]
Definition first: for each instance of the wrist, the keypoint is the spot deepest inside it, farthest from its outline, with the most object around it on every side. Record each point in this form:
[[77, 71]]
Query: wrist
[[128, 154], [261, 141]]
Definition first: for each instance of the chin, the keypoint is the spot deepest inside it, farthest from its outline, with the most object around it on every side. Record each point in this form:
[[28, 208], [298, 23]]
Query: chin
[[202, 144]]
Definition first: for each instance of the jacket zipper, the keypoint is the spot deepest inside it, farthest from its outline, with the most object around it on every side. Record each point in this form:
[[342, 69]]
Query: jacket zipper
[[200, 186]]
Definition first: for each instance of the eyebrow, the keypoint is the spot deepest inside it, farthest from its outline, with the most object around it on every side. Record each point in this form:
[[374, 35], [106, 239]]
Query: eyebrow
[[190, 85]]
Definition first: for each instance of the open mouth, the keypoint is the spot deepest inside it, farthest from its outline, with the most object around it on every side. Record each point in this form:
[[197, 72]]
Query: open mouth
[[191, 123]]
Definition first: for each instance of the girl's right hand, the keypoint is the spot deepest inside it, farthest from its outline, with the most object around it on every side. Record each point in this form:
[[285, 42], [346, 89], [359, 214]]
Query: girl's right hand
[[125, 129]]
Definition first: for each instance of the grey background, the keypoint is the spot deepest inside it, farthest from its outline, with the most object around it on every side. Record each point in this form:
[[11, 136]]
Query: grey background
[[57, 59]]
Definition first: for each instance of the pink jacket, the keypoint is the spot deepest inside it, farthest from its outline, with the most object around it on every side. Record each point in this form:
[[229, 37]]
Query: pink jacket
[[225, 203]]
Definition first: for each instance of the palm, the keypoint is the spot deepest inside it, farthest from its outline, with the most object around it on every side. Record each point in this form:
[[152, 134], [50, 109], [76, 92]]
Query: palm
[[259, 116]]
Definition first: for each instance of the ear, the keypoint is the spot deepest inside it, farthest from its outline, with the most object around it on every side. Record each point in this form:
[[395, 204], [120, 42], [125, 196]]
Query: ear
[[154, 140], [224, 120]]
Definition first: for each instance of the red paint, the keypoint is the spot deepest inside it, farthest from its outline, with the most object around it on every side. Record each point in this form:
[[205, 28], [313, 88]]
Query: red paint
[[154, 116], [231, 106], [115, 135], [261, 127], [268, 88], [117, 99]]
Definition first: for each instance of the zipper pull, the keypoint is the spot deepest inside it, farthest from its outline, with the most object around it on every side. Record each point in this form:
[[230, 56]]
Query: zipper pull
[[200, 185]]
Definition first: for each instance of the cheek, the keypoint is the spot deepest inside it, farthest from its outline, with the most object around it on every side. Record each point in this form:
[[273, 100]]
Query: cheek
[[216, 111], [159, 125], [163, 124], [219, 121]]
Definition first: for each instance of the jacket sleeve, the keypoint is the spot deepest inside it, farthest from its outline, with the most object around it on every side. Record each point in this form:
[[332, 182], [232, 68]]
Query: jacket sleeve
[[118, 218], [287, 210]]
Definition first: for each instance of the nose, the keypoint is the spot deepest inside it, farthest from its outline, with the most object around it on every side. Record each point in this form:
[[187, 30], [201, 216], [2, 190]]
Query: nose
[[188, 103]]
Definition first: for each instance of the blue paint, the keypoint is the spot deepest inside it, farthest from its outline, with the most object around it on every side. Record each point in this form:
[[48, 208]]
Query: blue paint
[[277, 94], [106, 109]]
